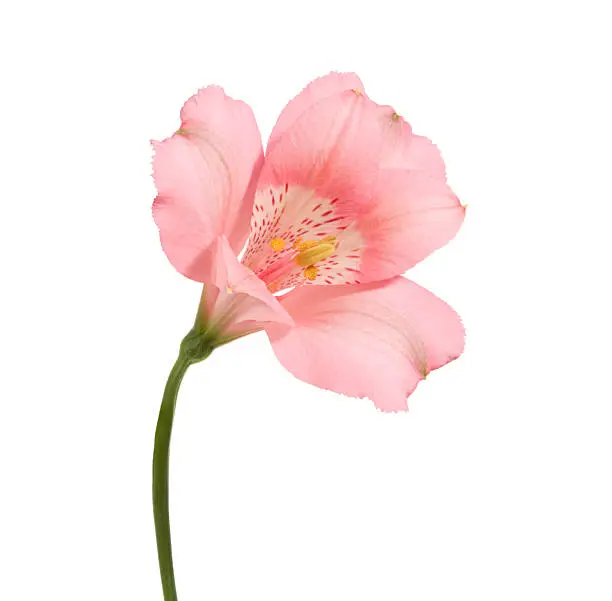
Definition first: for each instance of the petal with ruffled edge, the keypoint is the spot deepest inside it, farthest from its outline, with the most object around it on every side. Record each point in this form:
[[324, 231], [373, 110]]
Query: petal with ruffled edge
[[205, 176], [316, 90], [372, 340], [415, 215], [329, 177], [236, 301]]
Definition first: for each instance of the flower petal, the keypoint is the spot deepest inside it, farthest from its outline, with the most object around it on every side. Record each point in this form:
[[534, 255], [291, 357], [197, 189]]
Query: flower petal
[[236, 299], [316, 180], [332, 149], [415, 215], [402, 149], [351, 170], [205, 176], [319, 89], [370, 340]]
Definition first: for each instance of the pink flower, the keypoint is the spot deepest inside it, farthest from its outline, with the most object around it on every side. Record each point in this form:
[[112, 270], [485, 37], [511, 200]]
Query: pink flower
[[346, 199]]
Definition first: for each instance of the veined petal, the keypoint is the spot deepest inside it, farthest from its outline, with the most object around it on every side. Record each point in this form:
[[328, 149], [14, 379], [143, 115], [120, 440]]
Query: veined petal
[[236, 300], [205, 176], [412, 215], [333, 149], [319, 89], [316, 180], [415, 215], [349, 177], [370, 340]]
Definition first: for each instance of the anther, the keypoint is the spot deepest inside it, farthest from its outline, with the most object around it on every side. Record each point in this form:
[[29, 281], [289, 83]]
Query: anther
[[310, 256], [277, 244], [310, 273]]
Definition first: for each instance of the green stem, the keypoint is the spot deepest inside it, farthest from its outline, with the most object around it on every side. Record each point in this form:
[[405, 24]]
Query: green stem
[[194, 348], [161, 457]]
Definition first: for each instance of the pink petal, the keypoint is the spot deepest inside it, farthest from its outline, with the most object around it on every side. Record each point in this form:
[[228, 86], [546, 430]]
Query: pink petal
[[315, 181], [402, 149], [236, 299], [350, 170], [415, 215], [205, 176], [316, 90], [371, 340], [332, 149]]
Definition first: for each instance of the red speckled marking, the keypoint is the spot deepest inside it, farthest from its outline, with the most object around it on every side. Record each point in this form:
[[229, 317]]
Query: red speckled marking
[[293, 213]]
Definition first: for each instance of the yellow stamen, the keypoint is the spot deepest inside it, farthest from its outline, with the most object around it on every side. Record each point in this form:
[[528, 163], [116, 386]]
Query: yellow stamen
[[277, 244], [396, 117], [357, 91], [181, 132], [310, 273], [299, 245], [310, 256]]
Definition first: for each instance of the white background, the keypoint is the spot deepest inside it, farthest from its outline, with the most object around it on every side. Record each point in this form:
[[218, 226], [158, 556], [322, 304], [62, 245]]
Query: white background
[[495, 485]]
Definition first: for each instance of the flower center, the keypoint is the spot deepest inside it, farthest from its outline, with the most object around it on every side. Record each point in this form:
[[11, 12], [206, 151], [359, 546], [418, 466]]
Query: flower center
[[300, 237], [304, 253]]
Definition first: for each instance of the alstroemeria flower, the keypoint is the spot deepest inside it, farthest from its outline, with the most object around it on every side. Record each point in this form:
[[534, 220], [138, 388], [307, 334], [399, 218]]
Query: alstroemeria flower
[[346, 200]]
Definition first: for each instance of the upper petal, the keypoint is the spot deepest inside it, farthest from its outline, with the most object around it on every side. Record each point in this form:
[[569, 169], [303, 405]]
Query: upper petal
[[319, 89], [403, 149], [350, 171], [370, 340], [332, 149], [205, 176], [316, 180]]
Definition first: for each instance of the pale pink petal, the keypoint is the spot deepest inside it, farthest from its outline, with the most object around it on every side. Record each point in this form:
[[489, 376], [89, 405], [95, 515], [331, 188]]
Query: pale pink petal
[[403, 149], [411, 215], [371, 340], [236, 299], [421, 154], [349, 170], [315, 182], [415, 215], [205, 176], [333, 149], [319, 89]]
